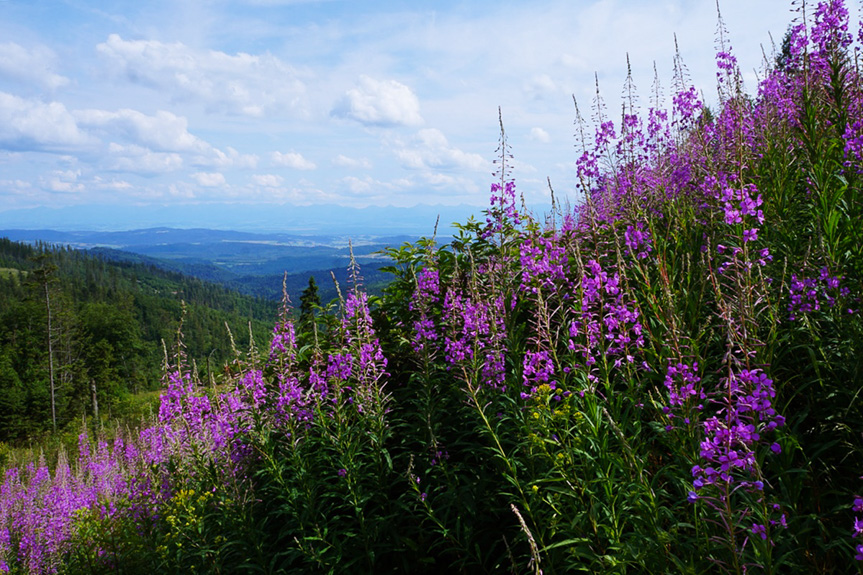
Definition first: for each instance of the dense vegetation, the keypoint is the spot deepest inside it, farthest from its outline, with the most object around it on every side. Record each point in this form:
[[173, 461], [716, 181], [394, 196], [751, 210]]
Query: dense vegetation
[[664, 380], [107, 325]]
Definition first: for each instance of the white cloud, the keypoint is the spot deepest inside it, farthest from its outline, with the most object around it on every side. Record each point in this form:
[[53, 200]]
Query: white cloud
[[244, 84], [380, 103], [364, 191], [450, 185], [143, 161], [359, 186], [267, 180], [293, 160], [113, 185], [431, 151], [539, 135], [232, 158], [302, 195], [33, 66], [63, 181], [35, 125], [540, 86], [162, 132], [209, 179], [15, 184], [346, 162], [161, 138]]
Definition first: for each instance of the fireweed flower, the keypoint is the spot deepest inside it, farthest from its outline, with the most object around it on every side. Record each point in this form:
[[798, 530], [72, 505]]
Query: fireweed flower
[[808, 295], [425, 297], [733, 433], [853, 149], [361, 362], [544, 263], [475, 336], [360, 334], [857, 507], [686, 105], [607, 325], [830, 32], [637, 241], [685, 394], [284, 342], [253, 384], [503, 209], [538, 369], [759, 530]]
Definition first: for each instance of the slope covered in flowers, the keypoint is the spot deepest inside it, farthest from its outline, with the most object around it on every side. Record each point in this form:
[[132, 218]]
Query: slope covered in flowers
[[665, 379]]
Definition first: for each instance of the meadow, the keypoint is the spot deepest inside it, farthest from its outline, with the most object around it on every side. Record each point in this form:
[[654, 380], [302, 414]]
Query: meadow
[[663, 378]]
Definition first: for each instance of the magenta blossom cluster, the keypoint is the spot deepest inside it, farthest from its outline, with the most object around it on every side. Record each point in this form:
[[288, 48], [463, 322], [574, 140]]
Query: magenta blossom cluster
[[538, 369], [808, 295], [830, 33], [39, 509], [685, 394], [503, 208], [732, 435], [858, 526], [425, 297], [637, 241], [135, 476], [366, 358], [608, 325], [475, 336], [544, 263]]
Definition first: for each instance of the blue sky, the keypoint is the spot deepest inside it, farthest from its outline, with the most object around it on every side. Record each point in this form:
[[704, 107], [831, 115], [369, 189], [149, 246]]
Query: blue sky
[[350, 102]]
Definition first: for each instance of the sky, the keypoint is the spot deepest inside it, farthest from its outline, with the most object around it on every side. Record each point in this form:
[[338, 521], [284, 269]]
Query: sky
[[351, 103]]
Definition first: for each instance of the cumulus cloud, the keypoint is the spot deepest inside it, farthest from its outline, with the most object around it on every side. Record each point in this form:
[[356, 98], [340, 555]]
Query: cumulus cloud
[[162, 132], [142, 161], [539, 135], [346, 162], [35, 125], [63, 181], [157, 141], [244, 84], [112, 184], [293, 160], [540, 87], [365, 190], [209, 179], [380, 103], [34, 66], [232, 158], [430, 150], [267, 180]]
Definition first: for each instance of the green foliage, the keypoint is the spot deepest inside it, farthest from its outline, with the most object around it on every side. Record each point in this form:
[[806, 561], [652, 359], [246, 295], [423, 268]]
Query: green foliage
[[667, 380], [108, 324]]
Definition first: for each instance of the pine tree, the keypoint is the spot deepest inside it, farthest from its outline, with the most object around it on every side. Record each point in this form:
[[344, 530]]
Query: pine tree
[[42, 279], [310, 300]]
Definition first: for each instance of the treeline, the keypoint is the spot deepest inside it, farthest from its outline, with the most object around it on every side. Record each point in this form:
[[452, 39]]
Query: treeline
[[79, 333], [374, 280]]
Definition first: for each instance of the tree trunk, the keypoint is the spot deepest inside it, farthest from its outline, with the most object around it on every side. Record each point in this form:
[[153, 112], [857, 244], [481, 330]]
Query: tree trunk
[[50, 357], [95, 403]]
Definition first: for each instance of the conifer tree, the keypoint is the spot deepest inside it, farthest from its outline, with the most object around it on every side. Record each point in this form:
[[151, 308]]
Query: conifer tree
[[309, 300], [42, 278]]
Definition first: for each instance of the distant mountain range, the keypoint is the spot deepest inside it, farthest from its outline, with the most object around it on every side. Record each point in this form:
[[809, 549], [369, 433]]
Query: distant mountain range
[[270, 218], [147, 240]]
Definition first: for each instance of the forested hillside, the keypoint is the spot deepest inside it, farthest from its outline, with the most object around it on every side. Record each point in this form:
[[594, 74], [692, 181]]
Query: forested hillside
[[105, 323]]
